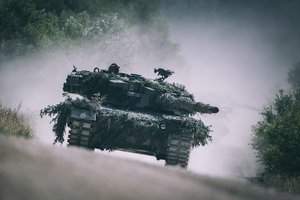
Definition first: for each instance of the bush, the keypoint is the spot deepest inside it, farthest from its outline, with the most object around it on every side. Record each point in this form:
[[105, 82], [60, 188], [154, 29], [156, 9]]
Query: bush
[[277, 136], [276, 140], [283, 183], [14, 123]]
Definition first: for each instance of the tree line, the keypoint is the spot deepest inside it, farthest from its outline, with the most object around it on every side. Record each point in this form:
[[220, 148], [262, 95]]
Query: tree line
[[28, 25]]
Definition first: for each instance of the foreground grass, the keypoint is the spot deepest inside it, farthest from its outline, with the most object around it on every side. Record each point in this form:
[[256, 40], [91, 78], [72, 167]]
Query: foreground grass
[[283, 183], [290, 184], [14, 123]]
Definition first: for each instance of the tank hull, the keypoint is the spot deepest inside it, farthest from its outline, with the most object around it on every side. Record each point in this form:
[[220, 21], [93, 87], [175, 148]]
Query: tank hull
[[143, 133]]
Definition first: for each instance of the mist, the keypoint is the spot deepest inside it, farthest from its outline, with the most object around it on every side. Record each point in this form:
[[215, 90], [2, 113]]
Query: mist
[[232, 57], [237, 57]]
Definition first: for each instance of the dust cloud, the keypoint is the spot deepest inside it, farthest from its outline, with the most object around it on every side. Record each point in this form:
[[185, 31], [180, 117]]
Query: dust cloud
[[237, 57]]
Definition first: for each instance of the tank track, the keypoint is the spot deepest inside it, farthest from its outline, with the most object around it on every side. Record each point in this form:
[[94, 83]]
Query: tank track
[[81, 128], [178, 149], [80, 133]]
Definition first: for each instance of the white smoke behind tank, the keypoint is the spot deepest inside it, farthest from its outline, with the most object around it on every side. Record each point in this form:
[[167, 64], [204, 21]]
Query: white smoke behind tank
[[232, 61]]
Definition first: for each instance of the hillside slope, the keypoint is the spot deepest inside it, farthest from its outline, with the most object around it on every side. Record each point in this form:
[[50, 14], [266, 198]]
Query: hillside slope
[[29, 170]]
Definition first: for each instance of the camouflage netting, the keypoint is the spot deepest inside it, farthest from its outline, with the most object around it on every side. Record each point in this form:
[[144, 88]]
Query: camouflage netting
[[60, 114], [165, 87], [98, 83], [118, 125], [95, 83], [183, 104]]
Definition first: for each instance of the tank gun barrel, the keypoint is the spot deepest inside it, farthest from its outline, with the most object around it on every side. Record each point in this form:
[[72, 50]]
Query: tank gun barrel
[[205, 108], [184, 104]]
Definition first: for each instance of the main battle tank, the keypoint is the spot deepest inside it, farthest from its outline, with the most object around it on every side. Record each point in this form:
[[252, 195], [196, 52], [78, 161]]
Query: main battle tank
[[131, 113]]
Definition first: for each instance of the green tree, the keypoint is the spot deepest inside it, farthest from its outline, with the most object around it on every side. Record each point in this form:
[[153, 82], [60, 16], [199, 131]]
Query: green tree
[[276, 137], [15, 15]]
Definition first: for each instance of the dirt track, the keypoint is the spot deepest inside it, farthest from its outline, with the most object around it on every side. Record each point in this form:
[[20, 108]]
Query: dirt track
[[31, 171]]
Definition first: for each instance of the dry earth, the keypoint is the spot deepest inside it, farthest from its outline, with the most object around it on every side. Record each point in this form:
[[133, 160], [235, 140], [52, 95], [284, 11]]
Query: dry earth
[[31, 171]]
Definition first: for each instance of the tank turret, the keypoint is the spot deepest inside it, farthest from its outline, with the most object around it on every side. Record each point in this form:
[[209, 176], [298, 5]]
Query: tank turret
[[134, 92]]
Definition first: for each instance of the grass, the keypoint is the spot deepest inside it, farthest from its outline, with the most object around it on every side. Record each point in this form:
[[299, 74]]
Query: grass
[[283, 183], [14, 123]]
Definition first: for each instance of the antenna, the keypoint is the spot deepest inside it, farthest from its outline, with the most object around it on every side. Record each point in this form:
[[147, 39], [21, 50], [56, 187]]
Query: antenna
[[67, 56], [69, 59]]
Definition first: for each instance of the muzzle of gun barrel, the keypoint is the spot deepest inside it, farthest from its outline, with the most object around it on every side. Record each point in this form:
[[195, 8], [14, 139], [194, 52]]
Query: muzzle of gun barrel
[[214, 109]]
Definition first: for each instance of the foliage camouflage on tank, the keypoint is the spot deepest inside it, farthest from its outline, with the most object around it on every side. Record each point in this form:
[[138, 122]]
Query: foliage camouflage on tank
[[131, 122], [131, 113]]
